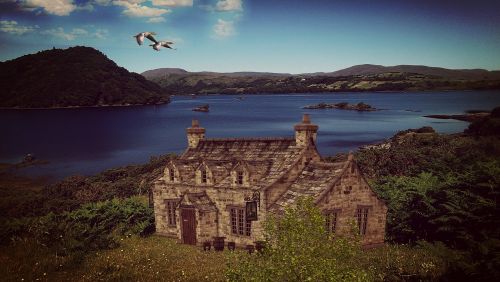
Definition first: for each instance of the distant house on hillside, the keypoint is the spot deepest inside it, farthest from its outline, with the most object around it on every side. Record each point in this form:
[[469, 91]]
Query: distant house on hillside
[[226, 187]]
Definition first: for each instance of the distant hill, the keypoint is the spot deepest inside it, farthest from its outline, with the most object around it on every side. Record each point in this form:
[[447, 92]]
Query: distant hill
[[162, 72], [475, 74], [165, 72], [356, 78], [77, 76]]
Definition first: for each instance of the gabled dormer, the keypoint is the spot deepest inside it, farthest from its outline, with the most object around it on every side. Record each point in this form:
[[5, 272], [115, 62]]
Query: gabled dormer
[[240, 176], [171, 173], [203, 175]]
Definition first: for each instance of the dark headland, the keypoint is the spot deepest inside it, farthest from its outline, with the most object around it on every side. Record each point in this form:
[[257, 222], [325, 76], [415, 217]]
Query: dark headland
[[74, 77]]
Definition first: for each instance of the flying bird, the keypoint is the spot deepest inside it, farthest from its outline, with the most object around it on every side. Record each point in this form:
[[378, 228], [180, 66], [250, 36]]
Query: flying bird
[[157, 46], [140, 37]]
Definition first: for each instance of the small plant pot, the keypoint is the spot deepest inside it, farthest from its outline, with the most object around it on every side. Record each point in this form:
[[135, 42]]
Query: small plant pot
[[260, 246], [231, 246], [207, 245], [250, 249], [219, 243]]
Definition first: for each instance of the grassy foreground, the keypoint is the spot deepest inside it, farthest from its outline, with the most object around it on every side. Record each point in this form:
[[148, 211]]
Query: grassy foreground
[[137, 259], [156, 258]]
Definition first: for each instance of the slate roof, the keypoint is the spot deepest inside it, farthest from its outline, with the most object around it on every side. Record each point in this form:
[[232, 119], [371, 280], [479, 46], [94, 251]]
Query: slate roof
[[242, 149], [199, 200], [316, 178], [266, 159]]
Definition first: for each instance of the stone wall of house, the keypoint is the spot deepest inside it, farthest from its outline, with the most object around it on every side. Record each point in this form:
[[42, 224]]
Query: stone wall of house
[[208, 223], [349, 194], [160, 194]]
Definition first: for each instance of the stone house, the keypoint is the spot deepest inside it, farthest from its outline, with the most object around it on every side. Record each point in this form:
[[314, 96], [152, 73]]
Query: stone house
[[226, 187]]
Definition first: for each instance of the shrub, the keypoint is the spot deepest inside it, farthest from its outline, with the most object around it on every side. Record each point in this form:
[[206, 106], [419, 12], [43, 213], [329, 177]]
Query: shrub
[[93, 226], [300, 249]]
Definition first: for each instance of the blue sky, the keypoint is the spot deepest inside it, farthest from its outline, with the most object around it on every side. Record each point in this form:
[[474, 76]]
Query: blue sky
[[256, 35]]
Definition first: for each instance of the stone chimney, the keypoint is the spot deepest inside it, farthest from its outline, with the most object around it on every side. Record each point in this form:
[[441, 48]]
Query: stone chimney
[[305, 132], [195, 133]]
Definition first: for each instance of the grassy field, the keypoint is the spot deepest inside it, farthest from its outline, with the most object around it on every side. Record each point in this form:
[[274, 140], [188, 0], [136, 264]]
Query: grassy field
[[137, 259], [156, 258]]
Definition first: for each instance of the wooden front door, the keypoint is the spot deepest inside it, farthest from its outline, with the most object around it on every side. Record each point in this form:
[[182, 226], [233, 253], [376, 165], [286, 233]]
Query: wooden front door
[[188, 226]]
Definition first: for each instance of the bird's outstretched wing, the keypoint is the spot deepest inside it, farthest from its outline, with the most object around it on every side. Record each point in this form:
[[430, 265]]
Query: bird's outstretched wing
[[138, 39], [167, 44], [150, 37]]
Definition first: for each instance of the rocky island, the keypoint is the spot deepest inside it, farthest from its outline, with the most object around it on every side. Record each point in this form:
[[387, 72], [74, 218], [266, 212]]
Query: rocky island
[[360, 107], [204, 108]]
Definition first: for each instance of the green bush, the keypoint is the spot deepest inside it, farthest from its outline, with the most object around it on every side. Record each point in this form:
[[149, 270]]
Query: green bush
[[93, 226], [300, 249], [443, 189]]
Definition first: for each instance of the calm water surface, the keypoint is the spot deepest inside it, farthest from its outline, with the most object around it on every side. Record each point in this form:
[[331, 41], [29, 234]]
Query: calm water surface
[[86, 141]]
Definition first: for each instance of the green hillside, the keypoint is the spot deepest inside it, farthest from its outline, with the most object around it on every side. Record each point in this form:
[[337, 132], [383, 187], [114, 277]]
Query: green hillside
[[77, 76]]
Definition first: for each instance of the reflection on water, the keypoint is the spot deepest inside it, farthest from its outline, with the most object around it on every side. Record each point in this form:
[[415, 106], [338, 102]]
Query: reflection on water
[[86, 141]]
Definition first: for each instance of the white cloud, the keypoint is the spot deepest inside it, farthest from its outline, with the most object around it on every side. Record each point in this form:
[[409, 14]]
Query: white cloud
[[70, 36], [156, 20], [136, 10], [172, 3], [54, 7], [103, 2], [229, 5], [13, 28], [86, 7], [75, 33], [224, 28], [101, 33]]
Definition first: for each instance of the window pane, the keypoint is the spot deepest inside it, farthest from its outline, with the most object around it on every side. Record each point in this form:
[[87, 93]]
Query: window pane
[[233, 222], [248, 228], [241, 221], [359, 220], [365, 220], [172, 175], [204, 176], [334, 222], [240, 177]]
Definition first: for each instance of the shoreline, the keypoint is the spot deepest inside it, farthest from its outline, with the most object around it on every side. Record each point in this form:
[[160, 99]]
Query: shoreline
[[242, 94], [84, 107], [332, 92]]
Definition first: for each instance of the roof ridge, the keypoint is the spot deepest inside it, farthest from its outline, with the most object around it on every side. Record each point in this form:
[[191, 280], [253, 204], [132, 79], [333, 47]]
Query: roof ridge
[[250, 139], [326, 164]]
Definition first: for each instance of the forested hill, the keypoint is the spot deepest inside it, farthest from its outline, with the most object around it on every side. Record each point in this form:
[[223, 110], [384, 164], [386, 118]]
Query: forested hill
[[356, 78], [77, 76]]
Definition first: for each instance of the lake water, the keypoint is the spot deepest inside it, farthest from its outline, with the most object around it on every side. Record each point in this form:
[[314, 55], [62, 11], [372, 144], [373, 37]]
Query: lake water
[[89, 140]]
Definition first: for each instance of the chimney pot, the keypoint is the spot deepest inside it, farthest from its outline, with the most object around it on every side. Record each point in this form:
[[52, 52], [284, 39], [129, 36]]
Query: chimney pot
[[306, 119], [195, 123]]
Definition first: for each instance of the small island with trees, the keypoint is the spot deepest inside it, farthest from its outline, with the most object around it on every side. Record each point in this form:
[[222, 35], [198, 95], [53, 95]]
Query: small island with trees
[[360, 107]]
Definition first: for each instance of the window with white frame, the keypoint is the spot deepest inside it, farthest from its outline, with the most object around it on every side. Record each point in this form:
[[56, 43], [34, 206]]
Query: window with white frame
[[239, 224]]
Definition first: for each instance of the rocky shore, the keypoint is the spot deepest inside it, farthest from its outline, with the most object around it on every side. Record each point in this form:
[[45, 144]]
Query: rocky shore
[[361, 107], [204, 108], [469, 117]]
